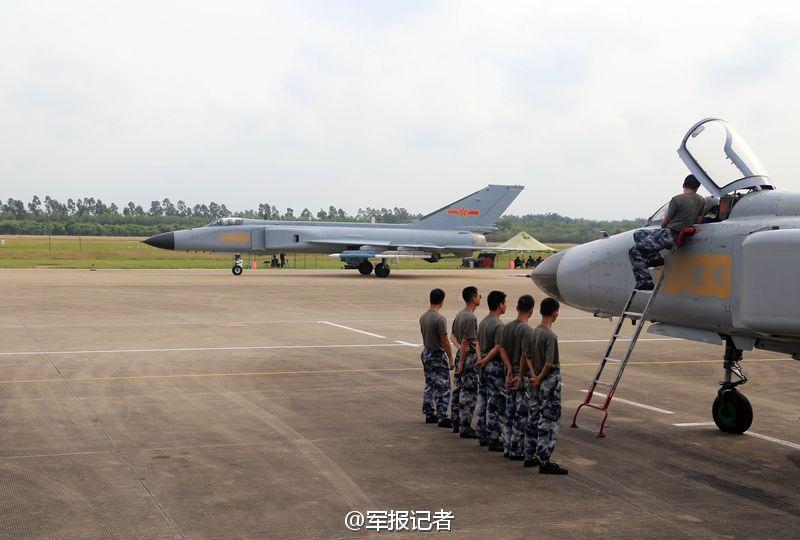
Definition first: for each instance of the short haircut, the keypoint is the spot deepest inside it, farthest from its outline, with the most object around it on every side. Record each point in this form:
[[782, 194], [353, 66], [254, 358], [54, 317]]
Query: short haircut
[[548, 306], [525, 303], [469, 293], [691, 182], [495, 299], [437, 297]]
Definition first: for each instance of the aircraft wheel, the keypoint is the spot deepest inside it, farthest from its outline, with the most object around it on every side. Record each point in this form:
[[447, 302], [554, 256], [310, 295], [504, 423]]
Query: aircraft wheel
[[237, 270], [365, 268], [382, 270], [732, 412]]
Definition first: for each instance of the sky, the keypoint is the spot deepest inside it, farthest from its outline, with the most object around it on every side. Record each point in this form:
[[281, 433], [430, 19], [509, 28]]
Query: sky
[[377, 103]]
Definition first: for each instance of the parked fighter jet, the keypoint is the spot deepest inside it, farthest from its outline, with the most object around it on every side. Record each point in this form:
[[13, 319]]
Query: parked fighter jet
[[734, 282], [456, 229]]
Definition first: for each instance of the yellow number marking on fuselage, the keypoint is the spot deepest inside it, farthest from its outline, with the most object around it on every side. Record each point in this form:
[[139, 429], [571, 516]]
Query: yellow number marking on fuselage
[[701, 274], [235, 238]]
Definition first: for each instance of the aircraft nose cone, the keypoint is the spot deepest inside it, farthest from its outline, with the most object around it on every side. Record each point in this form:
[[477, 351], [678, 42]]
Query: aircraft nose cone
[[546, 276], [163, 241]]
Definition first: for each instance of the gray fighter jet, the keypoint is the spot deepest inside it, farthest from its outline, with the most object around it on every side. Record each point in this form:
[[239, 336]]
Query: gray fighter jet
[[733, 283], [458, 229]]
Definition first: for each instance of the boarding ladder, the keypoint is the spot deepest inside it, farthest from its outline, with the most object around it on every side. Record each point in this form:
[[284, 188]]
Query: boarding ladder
[[638, 319]]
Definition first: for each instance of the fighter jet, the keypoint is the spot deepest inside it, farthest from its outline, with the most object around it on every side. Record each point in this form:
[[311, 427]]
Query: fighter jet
[[733, 283], [458, 229]]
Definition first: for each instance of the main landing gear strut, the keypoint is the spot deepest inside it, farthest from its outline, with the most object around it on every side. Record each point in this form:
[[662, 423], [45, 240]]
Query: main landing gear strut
[[732, 411]]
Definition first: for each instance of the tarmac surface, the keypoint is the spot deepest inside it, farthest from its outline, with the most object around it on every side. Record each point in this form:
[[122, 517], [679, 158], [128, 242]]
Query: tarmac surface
[[194, 404]]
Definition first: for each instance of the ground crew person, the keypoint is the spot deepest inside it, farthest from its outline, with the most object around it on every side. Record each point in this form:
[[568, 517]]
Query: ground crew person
[[492, 374], [465, 336], [684, 210], [515, 334], [437, 361], [545, 392]]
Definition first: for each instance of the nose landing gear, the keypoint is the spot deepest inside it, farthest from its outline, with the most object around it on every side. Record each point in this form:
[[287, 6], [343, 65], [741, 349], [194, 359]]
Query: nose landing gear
[[732, 411], [238, 265], [382, 269]]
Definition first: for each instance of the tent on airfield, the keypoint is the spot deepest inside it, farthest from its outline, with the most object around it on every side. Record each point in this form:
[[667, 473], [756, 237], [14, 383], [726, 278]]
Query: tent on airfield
[[525, 243]]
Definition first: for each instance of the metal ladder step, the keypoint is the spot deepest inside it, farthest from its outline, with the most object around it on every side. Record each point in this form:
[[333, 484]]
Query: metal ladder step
[[603, 383], [613, 360], [633, 314]]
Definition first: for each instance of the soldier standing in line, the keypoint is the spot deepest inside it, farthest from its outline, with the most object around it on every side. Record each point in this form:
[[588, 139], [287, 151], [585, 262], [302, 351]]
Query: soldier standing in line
[[515, 334], [465, 336], [437, 361], [492, 369], [545, 390]]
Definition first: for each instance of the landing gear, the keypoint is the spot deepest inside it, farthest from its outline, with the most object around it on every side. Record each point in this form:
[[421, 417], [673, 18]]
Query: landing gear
[[382, 270], [365, 268], [238, 265], [732, 411]]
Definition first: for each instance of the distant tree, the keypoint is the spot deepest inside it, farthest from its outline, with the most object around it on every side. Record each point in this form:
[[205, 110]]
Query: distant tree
[[168, 208], [320, 215], [71, 207], [35, 206], [289, 214], [155, 209], [306, 215], [180, 206]]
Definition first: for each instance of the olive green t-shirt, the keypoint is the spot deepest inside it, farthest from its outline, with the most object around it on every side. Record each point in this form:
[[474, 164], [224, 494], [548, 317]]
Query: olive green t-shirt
[[683, 210], [516, 334], [465, 326], [544, 347], [433, 326], [490, 333]]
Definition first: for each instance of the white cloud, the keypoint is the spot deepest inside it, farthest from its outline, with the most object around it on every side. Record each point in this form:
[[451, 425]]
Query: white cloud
[[386, 104]]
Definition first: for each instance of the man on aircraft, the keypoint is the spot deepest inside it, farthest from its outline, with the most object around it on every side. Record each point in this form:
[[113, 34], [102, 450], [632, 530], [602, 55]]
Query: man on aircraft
[[683, 210]]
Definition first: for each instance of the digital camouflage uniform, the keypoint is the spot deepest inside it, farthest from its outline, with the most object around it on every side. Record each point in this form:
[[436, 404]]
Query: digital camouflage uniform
[[648, 243], [480, 404], [491, 389], [541, 431], [516, 336], [436, 396], [435, 365], [465, 326], [495, 377]]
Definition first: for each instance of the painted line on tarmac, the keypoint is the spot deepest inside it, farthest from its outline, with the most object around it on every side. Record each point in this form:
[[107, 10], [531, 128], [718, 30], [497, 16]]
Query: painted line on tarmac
[[748, 433], [200, 349], [202, 375], [634, 403], [352, 329], [407, 344]]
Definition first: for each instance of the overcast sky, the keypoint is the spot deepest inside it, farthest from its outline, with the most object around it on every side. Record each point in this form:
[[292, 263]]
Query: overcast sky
[[376, 103]]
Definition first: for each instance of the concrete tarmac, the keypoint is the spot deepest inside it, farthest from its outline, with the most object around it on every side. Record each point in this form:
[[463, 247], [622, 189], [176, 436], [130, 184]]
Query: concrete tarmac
[[195, 404]]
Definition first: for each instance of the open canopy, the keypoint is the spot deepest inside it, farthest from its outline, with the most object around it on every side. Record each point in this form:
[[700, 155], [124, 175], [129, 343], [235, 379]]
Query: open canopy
[[525, 242]]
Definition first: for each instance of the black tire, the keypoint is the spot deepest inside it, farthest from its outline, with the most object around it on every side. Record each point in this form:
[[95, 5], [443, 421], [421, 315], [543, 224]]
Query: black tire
[[382, 270], [365, 268], [732, 412], [237, 270]]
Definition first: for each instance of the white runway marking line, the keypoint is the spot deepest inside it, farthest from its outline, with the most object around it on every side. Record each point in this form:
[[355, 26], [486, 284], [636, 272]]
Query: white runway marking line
[[407, 344], [352, 329], [748, 433], [200, 349], [634, 403]]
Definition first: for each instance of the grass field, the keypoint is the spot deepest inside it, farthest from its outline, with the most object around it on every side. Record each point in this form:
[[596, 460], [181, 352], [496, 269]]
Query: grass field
[[131, 253]]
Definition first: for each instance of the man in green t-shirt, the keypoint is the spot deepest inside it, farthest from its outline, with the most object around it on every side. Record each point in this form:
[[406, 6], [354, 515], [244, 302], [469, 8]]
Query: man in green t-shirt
[[491, 374], [465, 338], [437, 361], [544, 388], [515, 335]]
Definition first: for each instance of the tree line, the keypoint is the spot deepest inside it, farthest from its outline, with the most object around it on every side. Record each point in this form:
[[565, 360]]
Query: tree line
[[89, 216]]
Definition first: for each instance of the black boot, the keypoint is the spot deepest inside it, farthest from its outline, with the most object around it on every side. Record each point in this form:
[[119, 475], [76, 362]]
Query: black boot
[[431, 419], [552, 468], [645, 286], [496, 446], [531, 462], [656, 262], [483, 441], [445, 423], [468, 433]]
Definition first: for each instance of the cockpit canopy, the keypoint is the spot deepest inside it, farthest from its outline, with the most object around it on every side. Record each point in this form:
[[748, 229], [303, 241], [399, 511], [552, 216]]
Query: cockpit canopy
[[721, 159], [226, 221]]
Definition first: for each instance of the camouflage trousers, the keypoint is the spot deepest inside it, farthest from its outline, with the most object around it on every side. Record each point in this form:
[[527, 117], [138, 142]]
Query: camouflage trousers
[[494, 375], [465, 393], [647, 244], [481, 404], [436, 396], [516, 418], [544, 414]]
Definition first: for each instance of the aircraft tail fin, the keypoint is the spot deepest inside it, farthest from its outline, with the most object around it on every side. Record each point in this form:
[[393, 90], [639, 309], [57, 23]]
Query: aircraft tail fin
[[478, 211]]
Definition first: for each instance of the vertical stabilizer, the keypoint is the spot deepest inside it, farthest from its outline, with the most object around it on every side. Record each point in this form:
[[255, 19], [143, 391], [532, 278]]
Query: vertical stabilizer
[[477, 211]]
